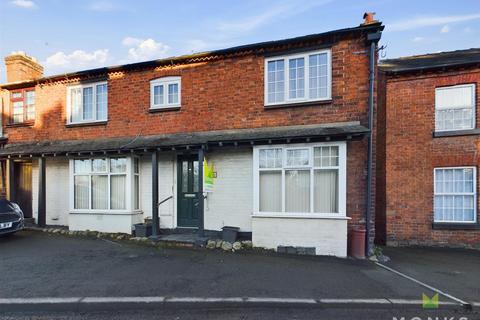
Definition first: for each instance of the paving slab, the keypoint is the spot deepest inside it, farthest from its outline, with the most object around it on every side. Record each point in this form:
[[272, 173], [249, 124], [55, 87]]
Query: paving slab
[[36, 264]]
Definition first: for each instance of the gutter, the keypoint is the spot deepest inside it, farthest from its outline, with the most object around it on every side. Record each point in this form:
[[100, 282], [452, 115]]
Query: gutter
[[372, 40]]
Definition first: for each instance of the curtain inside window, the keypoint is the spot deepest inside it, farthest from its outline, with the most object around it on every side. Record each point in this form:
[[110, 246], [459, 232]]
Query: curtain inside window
[[117, 187], [297, 190], [325, 191], [81, 192], [75, 103], [136, 196], [99, 192], [271, 191]]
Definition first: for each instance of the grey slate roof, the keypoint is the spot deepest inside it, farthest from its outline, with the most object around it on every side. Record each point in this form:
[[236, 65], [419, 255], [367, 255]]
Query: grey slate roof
[[201, 56], [431, 61], [257, 135]]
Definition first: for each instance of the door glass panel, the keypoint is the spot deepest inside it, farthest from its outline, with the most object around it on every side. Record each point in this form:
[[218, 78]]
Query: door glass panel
[[195, 176], [184, 176]]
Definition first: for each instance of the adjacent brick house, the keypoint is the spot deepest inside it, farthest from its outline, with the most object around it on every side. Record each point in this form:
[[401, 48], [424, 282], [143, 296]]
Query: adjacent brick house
[[283, 123], [428, 146]]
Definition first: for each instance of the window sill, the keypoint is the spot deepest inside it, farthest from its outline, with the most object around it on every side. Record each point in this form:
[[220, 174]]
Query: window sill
[[100, 212], [456, 133], [455, 226], [21, 124], [298, 104], [162, 109], [300, 216], [86, 124]]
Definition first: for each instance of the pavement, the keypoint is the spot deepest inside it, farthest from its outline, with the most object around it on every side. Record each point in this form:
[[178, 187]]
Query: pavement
[[45, 273]]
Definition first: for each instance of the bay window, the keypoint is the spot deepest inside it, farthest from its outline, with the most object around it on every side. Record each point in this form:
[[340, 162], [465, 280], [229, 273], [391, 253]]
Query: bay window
[[455, 195], [300, 179], [87, 103], [298, 78], [105, 184]]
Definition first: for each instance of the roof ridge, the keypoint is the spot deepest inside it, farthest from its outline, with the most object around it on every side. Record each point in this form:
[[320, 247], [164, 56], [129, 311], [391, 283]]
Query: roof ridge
[[428, 54]]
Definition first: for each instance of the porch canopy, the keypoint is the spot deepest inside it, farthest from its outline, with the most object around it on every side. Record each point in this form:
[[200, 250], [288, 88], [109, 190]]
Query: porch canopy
[[182, 141], [200, 141]]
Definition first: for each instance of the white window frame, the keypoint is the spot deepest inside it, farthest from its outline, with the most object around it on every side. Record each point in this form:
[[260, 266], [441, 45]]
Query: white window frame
[[129, 186], [165, 81], [286, 58], [342, 179], [474, 111], [445, 193], [92, 85]]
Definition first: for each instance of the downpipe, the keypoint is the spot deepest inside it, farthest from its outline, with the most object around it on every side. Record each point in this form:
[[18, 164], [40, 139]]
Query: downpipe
[[373, 39]]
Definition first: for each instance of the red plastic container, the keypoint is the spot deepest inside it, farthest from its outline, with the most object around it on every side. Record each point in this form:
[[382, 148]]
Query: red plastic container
[[357, 243]]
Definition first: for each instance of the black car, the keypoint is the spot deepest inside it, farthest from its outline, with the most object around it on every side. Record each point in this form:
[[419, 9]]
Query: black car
[[11, 217]]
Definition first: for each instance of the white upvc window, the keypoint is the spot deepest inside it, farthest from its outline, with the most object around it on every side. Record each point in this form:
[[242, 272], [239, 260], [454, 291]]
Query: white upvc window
[[103, 185], [455, 108], [87, 103], [298, 78], [165, 93], [455, 195], [300, 179]]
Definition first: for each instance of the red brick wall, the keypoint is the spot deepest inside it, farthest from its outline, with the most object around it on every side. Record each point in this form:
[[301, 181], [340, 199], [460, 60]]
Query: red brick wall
[[412, 154], [221, 94]]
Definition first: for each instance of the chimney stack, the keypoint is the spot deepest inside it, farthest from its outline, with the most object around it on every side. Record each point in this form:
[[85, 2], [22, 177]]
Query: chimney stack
[[21, 67], [368, 18]]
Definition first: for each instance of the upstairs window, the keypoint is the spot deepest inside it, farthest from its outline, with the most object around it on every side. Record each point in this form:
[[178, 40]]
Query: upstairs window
[[22, 106], [455, 108], [87, 103], [298, 78], [165, 93]]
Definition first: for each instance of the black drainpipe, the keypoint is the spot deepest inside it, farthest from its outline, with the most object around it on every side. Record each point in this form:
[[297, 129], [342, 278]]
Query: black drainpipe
[[372, 39]]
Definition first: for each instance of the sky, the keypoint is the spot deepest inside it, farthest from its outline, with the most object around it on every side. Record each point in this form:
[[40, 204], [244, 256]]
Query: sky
[[68, 35]]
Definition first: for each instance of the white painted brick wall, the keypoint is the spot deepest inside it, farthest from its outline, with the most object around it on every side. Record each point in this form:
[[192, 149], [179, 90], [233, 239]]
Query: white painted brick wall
[[231, 202], [328, 236], [57, 191], [167, 178]]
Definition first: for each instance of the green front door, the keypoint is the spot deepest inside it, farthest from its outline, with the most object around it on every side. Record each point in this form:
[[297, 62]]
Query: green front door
[[187, 213]]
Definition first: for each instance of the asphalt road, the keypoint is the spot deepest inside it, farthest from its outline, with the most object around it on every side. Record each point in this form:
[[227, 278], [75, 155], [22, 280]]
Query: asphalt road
[[250, 314], [37, 265]]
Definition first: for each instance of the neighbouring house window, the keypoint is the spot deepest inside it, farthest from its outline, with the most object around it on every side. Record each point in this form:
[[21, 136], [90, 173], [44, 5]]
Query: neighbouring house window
[[87, 103], [165, 93], [300, 178], [455, 108], [22, 106], [101, 184], [298, 78], [455, 194]]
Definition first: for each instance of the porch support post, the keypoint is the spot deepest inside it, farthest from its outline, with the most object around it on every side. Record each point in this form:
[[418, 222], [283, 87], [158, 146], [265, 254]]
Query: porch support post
[[155, 219], [201, 226], [11, 174], [41, 193]]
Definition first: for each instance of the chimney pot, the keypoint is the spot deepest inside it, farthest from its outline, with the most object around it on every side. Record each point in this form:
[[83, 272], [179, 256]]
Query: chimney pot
[[21, 67], [368, 18]]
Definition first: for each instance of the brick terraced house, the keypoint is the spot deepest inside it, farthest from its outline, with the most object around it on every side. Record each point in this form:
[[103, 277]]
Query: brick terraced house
[[427, 150], [284, 128]]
